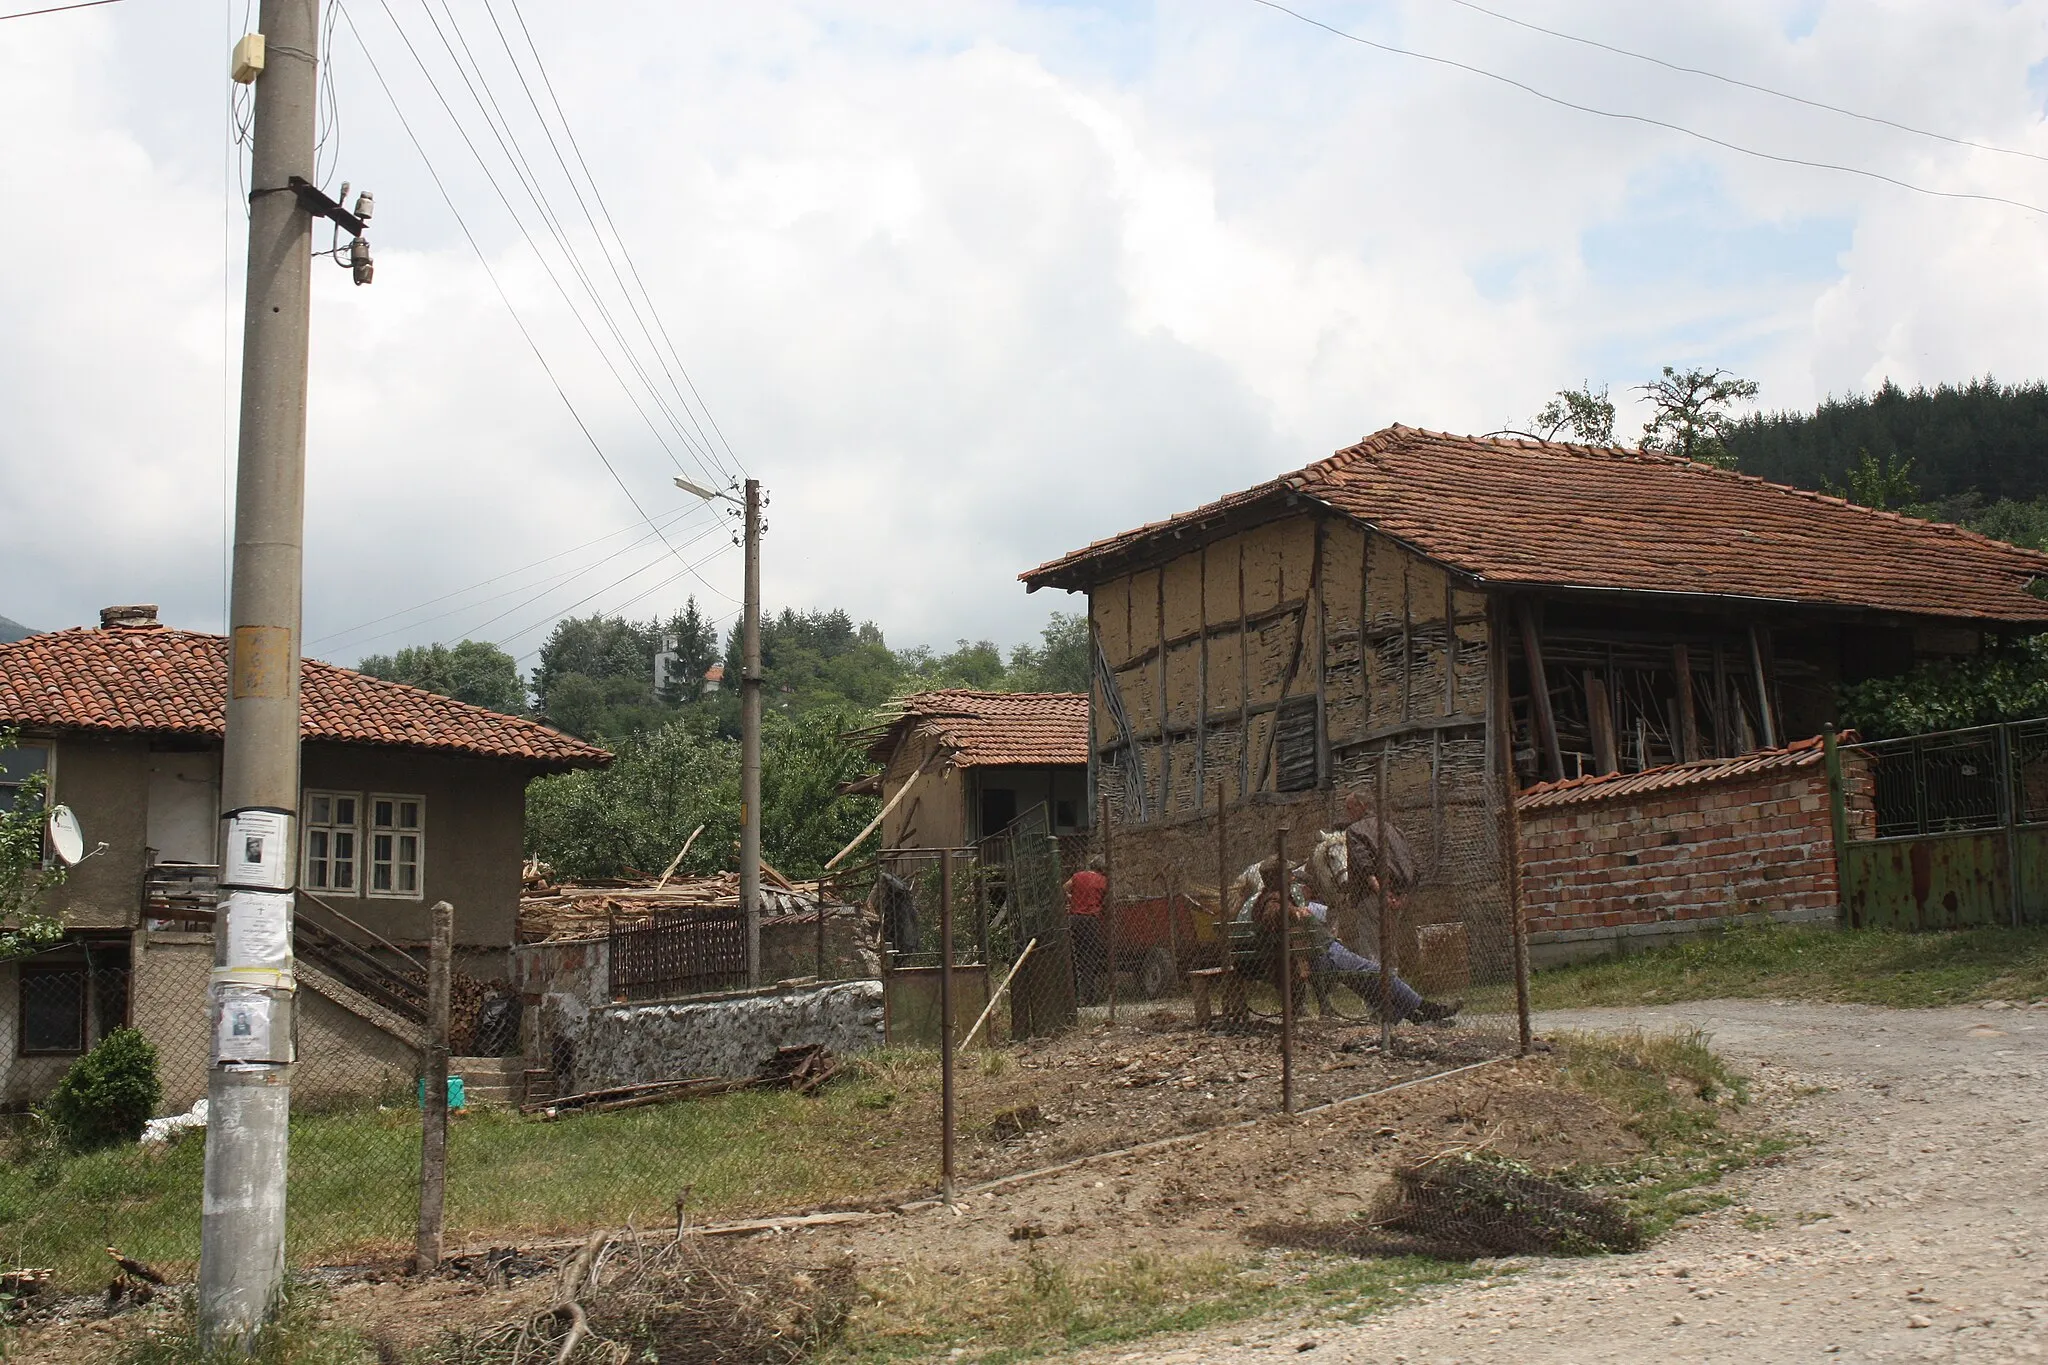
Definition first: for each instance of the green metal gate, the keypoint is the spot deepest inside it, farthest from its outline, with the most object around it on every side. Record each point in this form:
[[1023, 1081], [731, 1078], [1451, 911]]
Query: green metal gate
[[1947, 830]]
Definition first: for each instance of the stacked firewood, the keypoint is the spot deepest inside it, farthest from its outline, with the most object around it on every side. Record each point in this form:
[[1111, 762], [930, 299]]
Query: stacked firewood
[[550, 910]]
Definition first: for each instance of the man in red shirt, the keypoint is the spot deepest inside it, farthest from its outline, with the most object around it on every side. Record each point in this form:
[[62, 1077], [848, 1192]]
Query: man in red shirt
[[1085, 890]]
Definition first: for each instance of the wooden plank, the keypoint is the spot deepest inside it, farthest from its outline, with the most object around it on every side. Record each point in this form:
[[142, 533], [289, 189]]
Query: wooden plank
[[1724, 728], [1407, 643], [1600, 717], [1315, 575], [1539, 689], [1758, 646], [1688, 723]]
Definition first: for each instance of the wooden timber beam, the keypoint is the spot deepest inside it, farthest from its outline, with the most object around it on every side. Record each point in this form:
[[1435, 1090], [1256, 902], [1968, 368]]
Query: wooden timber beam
[[1600, 717], [1688, 721], [1758, 643], [1539, 688]]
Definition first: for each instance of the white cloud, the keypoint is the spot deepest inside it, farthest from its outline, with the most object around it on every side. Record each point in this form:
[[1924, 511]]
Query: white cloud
[[966, 284]]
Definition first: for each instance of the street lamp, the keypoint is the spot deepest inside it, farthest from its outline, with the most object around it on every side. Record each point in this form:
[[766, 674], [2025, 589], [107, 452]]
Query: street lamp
[[750, 718]]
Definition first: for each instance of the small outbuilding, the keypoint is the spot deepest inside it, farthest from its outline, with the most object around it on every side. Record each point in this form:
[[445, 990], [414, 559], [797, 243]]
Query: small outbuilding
[[975, 761]]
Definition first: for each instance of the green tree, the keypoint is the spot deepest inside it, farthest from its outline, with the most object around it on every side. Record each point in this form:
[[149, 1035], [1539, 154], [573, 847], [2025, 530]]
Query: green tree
[[2008, 681], [1886, 483], [690, 638], [1690, 416], [25, 877], [1587, 415], [634, 815], [474, 671], [1060, 662], [601, 647]]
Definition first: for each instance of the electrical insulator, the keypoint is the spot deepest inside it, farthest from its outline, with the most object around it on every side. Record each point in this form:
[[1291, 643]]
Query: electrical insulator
[[366, 203], [359, 260]]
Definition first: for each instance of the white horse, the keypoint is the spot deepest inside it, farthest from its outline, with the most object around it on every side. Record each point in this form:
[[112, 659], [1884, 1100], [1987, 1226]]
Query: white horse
[[1327, 870]]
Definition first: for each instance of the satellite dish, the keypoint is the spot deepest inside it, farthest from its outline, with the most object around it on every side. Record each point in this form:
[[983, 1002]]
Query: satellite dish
[[66, 837]]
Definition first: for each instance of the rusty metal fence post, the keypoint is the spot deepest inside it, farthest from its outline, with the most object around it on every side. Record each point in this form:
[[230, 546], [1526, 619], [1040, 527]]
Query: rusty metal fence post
[[434, 1093], [946, 1024]]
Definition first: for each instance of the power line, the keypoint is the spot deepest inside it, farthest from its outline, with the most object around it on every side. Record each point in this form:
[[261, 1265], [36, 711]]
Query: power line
[[523, 605], [670, 518], [1646, 119], [1748, 85], [605, 209], [584, 601], [504, 298], [520, 223], [603, 247], [56, 9], [522, 169]]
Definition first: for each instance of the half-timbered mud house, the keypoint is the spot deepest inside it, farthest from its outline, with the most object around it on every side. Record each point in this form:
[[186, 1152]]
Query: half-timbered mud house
[[1452, 616]]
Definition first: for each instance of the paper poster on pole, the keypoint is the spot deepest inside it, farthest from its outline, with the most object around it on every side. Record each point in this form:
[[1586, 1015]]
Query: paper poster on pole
[[245, 1026], [257, 851], [259, 930]]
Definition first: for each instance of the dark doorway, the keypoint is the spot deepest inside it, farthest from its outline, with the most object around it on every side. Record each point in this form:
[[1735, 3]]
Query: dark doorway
[[998, 809]]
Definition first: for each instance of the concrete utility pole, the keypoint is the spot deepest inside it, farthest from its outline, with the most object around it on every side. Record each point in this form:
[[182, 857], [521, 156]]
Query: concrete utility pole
[[750, 736], [241, 1257]]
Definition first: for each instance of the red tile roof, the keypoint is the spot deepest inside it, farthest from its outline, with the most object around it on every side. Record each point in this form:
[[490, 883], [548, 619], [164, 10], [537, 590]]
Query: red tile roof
[[1546, 514], [1799, 754], [991, 729], [154, 680]]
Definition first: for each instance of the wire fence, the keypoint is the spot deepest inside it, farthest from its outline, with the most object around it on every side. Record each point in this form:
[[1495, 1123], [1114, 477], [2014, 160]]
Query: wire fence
[[1104, 988]]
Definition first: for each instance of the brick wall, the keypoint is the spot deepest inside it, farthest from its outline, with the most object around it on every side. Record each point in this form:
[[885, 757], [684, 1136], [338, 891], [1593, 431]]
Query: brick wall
[[1633, 860]]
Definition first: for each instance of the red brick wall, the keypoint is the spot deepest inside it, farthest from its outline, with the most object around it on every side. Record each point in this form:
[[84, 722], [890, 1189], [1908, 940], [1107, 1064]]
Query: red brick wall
[[1639, 866]]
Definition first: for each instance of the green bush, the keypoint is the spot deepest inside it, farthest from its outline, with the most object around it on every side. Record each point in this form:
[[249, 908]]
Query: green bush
[[108, 1094]]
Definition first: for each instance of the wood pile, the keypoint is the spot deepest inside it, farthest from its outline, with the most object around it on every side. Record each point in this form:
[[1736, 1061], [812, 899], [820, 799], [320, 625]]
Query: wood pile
[[551, 909]]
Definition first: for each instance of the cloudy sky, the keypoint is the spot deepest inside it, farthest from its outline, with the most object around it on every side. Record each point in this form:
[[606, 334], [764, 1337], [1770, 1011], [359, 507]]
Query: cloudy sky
[[966, 283]]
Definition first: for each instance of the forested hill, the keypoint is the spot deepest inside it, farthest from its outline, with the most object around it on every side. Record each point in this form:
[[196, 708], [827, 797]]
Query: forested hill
[[1985, 438]]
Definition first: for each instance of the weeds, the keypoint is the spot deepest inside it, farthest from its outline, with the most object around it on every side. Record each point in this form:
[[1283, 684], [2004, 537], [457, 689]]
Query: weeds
[[295, 1337]]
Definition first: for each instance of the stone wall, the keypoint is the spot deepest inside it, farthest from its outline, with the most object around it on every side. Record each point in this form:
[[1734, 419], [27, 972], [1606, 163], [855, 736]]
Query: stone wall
[[733, 1035], [1634, 860]]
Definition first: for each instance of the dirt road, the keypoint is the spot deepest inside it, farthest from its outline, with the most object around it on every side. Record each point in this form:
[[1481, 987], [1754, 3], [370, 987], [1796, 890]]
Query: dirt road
[[1913, 1227]]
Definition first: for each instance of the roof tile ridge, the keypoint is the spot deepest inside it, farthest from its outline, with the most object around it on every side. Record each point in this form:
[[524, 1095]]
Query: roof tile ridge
[[443, 699]]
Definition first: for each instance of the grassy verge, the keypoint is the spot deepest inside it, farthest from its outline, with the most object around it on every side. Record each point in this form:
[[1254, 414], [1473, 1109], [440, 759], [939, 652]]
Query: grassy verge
[[1866, 966], [1678, 1095], [1039, 1305], [354, 1179]]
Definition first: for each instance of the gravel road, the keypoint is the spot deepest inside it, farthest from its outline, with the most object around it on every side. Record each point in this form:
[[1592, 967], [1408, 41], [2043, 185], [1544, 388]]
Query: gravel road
[[1913, 1227]]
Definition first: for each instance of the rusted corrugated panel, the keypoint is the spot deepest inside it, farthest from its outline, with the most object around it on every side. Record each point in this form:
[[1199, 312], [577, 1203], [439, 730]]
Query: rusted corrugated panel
[[1947, 881]]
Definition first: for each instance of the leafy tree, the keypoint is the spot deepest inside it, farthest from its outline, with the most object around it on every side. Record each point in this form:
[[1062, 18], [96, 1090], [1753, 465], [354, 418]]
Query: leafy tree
[[1877, 483], [1587, 415], [474, 671], [2008, 681], [1061, 662], [599, 647], [804, 819], [24, 878], [635, 814], [1690, 417]]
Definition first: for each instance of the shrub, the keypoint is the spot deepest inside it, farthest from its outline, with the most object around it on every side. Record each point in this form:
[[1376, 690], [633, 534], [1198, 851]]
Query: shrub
[[108, 1094]]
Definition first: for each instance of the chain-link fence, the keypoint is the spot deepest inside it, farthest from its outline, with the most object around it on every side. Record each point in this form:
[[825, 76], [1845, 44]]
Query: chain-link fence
[[1174, 977]]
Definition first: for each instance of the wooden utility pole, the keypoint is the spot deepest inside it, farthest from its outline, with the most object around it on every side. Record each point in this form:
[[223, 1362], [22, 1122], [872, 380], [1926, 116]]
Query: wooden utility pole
[[750, 736], [434, 1094]]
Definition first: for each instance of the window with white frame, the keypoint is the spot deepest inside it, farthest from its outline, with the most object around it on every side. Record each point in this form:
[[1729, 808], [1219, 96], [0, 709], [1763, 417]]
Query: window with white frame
[[333, 827], [397, 839], [18, 767]]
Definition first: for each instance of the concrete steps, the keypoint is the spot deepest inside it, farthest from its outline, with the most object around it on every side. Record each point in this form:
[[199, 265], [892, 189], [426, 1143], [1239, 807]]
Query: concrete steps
[[490, 1082]]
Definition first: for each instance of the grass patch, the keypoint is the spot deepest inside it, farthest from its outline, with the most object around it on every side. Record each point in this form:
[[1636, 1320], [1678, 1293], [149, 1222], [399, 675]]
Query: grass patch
[[354, 1178], [1864, 966], [1677, 1093], [296, 1337], [1038, 1305]]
